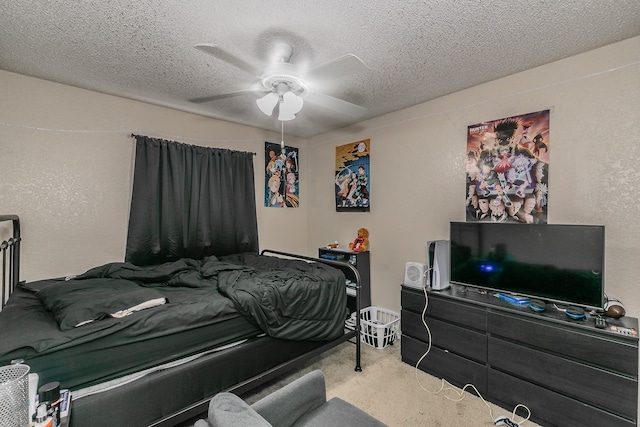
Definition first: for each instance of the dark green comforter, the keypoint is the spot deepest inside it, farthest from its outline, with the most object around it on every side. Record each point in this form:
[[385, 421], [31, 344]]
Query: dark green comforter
[[288, 299], [284, 298]]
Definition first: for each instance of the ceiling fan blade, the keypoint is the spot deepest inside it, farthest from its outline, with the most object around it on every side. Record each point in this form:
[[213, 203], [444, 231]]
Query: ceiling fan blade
[[206, 99], [339, 67], [335, 104], [225, 56]]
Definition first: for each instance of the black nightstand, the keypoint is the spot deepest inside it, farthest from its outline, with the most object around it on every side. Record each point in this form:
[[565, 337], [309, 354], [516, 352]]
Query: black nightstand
[[360, 260]]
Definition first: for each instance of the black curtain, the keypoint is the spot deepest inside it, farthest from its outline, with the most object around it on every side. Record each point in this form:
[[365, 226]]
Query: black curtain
[[190, 202]]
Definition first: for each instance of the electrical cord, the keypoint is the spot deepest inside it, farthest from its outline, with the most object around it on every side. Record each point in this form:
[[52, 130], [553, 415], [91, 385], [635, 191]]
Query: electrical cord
[[445, 386], [557, 307]]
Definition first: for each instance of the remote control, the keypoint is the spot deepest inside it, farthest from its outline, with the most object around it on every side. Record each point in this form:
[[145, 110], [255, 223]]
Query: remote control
[[624, 331], [600, 322]]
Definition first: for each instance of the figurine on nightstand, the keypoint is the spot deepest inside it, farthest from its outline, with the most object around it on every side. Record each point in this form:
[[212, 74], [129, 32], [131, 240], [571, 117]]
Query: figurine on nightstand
[[362, 241], [333, 245]]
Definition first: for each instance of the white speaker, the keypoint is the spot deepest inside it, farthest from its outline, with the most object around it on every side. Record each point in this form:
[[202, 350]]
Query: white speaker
[[414, 274], [438, 264]]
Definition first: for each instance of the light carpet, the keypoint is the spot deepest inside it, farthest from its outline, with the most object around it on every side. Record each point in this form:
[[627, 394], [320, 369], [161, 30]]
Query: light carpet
[[393, 392]]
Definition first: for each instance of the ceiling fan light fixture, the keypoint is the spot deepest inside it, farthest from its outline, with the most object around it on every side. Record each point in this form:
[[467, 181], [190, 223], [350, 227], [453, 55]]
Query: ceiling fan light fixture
[[267, 103], [290, 105], [284, 116]]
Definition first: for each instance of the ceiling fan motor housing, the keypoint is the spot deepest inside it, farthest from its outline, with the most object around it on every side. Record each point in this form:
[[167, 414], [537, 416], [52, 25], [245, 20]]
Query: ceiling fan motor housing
[[283, 73]]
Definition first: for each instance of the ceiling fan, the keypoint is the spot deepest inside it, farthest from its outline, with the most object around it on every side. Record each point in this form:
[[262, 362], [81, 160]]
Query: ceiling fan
[[288, 85]]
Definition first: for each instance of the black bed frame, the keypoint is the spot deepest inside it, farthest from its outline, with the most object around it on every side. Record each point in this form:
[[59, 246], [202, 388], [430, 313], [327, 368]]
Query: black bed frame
[[178, 394], [10, 258]]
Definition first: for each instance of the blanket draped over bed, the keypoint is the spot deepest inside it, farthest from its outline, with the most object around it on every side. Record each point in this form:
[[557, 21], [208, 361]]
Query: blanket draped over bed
[[287, 299]]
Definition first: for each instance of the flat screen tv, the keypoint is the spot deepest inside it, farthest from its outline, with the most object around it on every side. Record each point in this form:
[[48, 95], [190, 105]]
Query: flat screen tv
[[555, 263]]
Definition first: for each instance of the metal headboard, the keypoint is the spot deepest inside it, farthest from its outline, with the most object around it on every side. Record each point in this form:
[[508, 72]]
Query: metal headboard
[[10, 258]]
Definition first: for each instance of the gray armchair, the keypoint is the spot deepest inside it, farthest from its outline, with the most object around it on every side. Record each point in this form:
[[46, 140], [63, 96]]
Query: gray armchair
[[302, 403]]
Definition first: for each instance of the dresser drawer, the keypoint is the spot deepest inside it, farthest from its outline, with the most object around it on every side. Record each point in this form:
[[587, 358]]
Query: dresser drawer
[[547, 407], [445, 309], [448, 337], [412, 299], [615, 393], [455, 369], [566, 341]]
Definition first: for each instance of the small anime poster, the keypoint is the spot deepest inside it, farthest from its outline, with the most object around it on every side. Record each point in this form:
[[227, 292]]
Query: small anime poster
[[507, 169], [281, 177], [352, 186]]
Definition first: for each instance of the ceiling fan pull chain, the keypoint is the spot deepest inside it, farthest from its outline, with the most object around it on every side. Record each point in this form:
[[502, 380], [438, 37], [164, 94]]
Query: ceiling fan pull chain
[[282, 140]]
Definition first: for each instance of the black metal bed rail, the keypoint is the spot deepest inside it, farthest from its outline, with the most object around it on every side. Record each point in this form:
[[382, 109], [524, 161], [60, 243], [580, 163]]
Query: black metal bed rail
[[10, 258]]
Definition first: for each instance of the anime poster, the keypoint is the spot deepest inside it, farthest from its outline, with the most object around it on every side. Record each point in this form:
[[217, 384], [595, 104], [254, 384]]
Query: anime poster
[[352, 186], [282, 177], [508, 169]]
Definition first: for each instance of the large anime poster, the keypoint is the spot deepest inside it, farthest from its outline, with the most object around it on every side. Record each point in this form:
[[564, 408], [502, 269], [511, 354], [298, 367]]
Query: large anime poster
[[281, 178], [508, 169], [352, 186]]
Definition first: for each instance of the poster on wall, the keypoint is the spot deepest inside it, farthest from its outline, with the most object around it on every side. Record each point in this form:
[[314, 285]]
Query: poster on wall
[[507, 169], [281, 179], [352, 186]]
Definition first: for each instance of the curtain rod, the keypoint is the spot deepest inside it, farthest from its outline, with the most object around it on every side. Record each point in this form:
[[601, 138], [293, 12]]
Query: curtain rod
[[133, 135]]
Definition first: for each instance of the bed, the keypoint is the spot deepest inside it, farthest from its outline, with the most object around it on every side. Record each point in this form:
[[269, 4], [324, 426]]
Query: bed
[[150, 345]]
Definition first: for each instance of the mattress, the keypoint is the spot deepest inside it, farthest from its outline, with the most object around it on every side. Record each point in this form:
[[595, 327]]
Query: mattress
[[85, 362], [72, 330]]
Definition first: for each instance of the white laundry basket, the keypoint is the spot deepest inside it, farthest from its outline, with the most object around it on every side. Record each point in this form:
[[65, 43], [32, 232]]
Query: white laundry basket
[[378, 327]]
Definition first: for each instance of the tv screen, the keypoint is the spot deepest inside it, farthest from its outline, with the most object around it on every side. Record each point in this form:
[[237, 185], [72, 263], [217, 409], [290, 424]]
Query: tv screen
[[556, 263]]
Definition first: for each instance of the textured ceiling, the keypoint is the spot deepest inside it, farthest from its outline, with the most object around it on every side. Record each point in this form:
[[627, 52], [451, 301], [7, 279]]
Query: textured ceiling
[[414, 51]]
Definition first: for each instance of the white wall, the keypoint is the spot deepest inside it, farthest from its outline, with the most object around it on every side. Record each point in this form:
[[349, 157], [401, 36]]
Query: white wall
[[66, 157], [418, 154]]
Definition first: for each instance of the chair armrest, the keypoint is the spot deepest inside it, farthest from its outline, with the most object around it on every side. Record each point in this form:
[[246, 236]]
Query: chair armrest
[[228, 410], [284, 407]]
